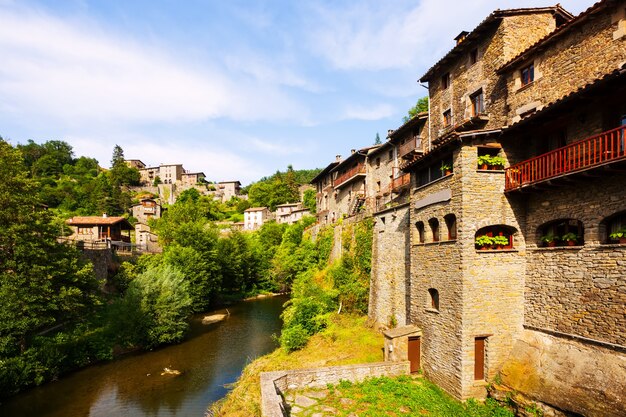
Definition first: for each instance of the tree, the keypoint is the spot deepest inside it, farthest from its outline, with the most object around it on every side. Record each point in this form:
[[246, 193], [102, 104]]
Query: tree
[[420, 107], [120, 173], [309, 200], [377, 141], [42, 282]]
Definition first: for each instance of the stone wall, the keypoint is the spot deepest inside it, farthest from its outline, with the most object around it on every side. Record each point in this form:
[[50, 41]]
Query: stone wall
[[578, 290], [579, 56], [275, 383], [567, 375], [390, 267], [379, 172]]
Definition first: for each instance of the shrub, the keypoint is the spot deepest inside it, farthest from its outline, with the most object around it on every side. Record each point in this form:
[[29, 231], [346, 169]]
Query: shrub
[[294, 338]]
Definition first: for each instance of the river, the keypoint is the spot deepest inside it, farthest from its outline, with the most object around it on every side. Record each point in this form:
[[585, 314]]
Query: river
[[132, 386]]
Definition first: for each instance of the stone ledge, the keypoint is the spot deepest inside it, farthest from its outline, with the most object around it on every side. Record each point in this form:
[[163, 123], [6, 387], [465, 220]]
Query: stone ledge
[[496, 250], [273, 384], [491, 171], [579, 247], [442, 242]]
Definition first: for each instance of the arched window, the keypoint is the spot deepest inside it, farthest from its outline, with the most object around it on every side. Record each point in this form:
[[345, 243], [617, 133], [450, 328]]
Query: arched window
[[433, 296], [434, 228], [561, 232], [451, 226], [495, 237], [614, 228], [419, 226]]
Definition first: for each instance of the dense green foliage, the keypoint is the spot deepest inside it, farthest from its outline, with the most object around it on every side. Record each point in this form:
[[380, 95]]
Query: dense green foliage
[[320, 287], [280, 188], [420, 107], [78, 185], [411, 396]]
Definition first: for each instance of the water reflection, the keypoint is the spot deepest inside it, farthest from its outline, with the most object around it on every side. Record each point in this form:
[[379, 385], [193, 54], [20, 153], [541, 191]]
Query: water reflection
[[133, 386]]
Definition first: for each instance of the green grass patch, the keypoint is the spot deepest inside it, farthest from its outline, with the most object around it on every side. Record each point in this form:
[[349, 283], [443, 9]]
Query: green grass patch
[[401, 396]]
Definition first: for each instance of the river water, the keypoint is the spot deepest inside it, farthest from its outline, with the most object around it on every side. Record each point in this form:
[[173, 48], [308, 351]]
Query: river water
[[212, 356]]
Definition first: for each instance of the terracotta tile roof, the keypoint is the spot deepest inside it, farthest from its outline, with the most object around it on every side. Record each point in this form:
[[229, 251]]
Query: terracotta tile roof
[[483, 26], [417, 119], [359, 153], [324, 172], [555, 34], [98, 221], [256, 209]]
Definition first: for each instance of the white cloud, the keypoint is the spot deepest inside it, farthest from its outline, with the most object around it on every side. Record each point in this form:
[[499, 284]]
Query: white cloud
[[277, 148], [377, 112], [74, 73]]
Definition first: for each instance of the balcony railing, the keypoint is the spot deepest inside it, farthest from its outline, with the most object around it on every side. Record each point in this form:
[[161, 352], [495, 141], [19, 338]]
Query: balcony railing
[[588, 153], [406, 149], [400, 182], [349, 174]]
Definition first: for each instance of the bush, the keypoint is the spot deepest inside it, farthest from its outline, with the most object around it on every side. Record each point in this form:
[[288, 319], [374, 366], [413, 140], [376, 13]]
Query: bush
[[294, 338]]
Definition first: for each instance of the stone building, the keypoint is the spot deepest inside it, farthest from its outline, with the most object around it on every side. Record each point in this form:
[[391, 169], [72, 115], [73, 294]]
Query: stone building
[[526, 143], [147, 209], [95, 232], [350, 183], [254, 217], [283, 212], [324, 196], [135, 163], [192, 179]]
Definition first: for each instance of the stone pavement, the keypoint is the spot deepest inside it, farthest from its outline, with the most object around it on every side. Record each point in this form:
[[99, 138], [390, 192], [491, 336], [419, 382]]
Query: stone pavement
[[309, 403]]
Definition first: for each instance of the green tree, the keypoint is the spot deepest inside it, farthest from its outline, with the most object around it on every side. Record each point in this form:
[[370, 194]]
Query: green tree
[[309, 200], [420, 107], [42, 282], [120, 173], [377, 141]]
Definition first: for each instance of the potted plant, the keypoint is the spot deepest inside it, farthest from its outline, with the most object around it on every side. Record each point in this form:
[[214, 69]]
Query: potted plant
[[496, 162], [549, 240], [484, 161], [619, 235], [446, 169], [500, 241], [484, 242], [570, 238]]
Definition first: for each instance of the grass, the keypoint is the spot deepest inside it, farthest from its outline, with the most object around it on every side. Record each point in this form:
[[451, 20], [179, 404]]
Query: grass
[[401, 396], [347, 340]]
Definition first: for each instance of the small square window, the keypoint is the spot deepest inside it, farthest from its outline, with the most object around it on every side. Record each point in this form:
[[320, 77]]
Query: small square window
[[478, 103], [473, 56], [447, 118], [390, 155], [377, 162], [445, 80], [528, 74]]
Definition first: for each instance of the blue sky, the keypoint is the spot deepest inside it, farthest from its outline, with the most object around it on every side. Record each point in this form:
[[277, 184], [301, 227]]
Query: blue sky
[[236, 89]]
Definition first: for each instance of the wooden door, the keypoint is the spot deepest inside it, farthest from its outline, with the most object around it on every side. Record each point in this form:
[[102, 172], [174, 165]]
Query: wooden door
[[414, 353], [479, 358]]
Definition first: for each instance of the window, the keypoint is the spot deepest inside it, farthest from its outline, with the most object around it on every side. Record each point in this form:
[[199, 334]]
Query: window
[[562, 232], [445, 80], [434, 298], [473, 56], [85, 231], [377, 162], [434, 229], [478, 103], [495, 237], [419, 226], [432, 172], [391, 155], [377, 186], [451, 225], [615, 228], [479, 358], [528, 74], [447, 118]]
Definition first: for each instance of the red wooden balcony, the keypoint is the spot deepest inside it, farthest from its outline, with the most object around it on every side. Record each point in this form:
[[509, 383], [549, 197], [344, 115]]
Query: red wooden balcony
[[602, 149], [349, 174], [407, 149], [400, 182]]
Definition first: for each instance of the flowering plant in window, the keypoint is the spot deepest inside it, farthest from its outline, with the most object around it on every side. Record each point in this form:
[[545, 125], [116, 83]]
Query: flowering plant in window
[[484, 242], [570, 238], [619, 235]]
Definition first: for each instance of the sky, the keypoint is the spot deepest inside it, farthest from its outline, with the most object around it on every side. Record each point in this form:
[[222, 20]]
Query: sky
[[235, 89]]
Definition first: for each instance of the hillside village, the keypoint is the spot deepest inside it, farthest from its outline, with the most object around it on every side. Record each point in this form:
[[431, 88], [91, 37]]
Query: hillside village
[[500, 214]]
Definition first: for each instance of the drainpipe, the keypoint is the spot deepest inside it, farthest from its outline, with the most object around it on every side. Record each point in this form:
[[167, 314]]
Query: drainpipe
[[429, 118]]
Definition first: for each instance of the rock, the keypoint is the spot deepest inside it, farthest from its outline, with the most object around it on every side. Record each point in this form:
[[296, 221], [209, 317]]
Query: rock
[[213, 318], [168, 371]]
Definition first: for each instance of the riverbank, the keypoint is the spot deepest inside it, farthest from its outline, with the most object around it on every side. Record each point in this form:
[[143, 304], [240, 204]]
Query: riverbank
[[347, 340]]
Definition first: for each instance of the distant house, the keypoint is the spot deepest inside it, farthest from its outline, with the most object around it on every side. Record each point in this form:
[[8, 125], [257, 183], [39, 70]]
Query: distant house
[[254, 217], [227, 190], [190, 179], [297, 215], [171, 173], [147, 209], [146, 240], [283, 211], [135, 163], [104, 230]]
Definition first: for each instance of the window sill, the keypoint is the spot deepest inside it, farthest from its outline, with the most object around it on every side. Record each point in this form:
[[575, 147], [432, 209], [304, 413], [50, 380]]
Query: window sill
[[441, 242], [578, 247], [492, 171], [525, 86], [432, 310], [496, 250], [432, 182]]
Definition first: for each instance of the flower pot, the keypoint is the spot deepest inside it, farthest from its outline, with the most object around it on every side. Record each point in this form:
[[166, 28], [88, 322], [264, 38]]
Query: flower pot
[[499, 247], [486, 247], [448, 172], [483, 166], [551, 244], [571, 243], [622, 240]]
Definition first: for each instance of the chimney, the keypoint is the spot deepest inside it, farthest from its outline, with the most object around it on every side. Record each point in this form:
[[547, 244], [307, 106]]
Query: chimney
[[461, 37], [389, 132], [352, 151], [338, 158], [104, 215]]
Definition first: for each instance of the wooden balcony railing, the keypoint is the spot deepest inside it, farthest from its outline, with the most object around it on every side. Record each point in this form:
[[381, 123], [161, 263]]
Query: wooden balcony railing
[[352, 172], [597, 150], [406, 149], [401, 181]]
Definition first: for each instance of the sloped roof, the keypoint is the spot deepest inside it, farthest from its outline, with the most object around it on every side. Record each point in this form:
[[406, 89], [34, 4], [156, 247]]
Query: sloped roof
[[324, 172], [256, 209], [99, 221], [554, 35], [485, 25], [356, 154], [409, 124]]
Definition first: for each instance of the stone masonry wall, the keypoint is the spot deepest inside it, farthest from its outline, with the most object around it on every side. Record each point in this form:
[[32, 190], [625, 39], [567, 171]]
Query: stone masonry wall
[[390, 269], [582, 55], [578, 290]]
